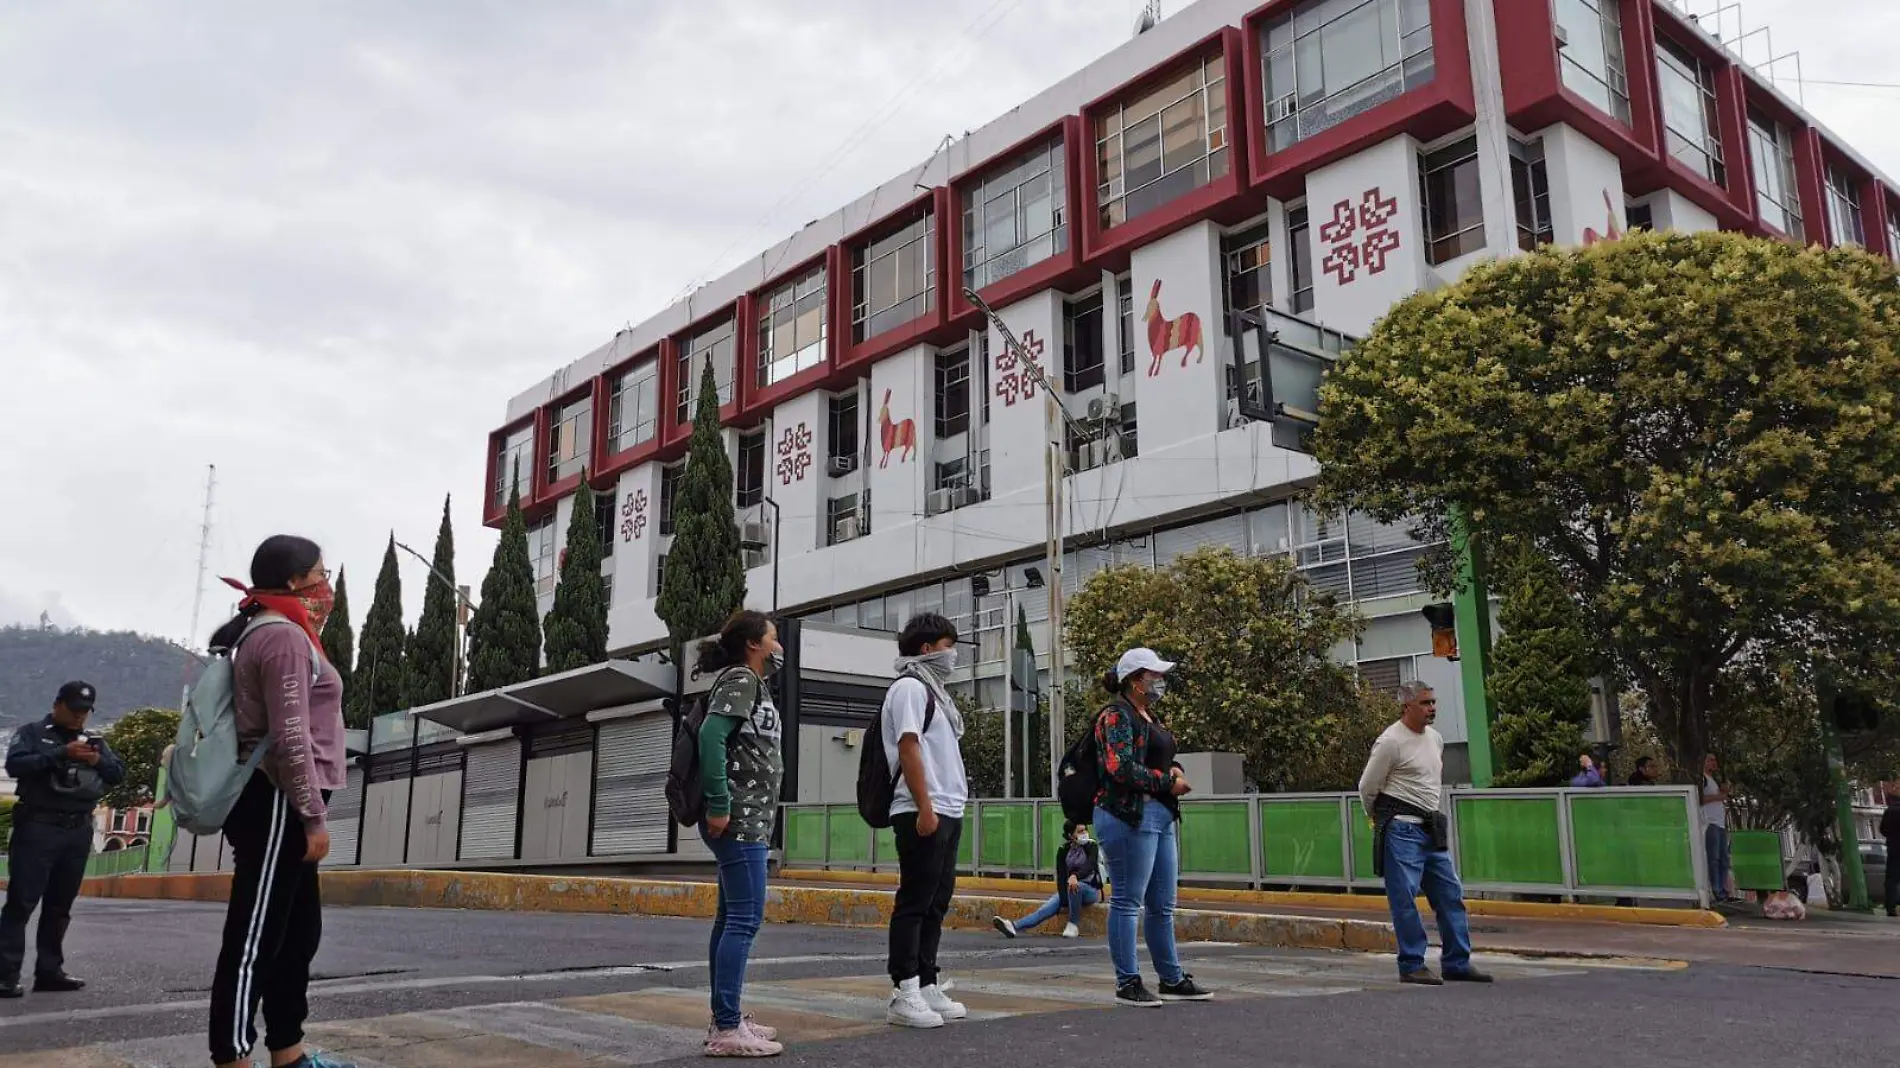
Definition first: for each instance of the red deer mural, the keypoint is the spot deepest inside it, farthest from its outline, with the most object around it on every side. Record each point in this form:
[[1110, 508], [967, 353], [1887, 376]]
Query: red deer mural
[[1590, 235], [1165, 334], [894, 436]]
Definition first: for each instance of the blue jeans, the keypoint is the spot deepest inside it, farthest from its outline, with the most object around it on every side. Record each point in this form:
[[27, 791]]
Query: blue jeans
[[741, 911], [1412, 865], [1080, 898], [1143, 867], [1715, 844]]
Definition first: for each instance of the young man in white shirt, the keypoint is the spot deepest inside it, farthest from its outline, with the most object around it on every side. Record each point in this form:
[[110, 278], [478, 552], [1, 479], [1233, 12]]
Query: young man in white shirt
[[922, 729], [1400, 789]]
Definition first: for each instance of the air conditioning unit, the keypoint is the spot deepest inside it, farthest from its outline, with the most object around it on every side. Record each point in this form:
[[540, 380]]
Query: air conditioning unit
[[755, 557], [754, 534], [1105, 408], [1563, 37], [965, 495], [939, 501], [848, 528], [842, 465], [1093, 455], [1112, 449], [1234, 418]]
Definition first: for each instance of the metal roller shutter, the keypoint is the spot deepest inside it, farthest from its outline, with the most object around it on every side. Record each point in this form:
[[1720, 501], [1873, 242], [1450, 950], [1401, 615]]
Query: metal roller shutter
[[630, 813], [490, 794], [346, 820], [1229, 530]]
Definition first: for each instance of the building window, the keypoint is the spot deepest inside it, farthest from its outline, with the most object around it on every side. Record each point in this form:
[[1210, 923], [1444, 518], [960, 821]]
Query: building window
[[1128, 432], [894, 279], [1300, 264], [1125, 322], [1016, 216], [1082, 355], [571, 439], [607, 588], [144, 824], [1641, 216], [669, 490], [1330, 60], [606, 521], [1689, 112], [512, 460], [951, 474], [633, 412], [715, 346], [953, 392], [1454, 209], [1893, 231], [1388, 674], [749, 478], [792, 328], [842, 433], [1164, 145], [1249, 259], [1843, 208], [1530, 189], [842, 520], [659, 575], [1590, 45], [1771, 153], [541, 553]]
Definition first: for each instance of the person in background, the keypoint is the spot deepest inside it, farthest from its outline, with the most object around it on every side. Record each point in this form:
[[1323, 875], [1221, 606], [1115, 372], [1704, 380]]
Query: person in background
[[1890, 830], [1589, 778], [1135, 815], [288, 698], [1078, 868], [1715, 829], [62, 773], [1400, 790], [922, 737], [1645, 773], [741, 766]]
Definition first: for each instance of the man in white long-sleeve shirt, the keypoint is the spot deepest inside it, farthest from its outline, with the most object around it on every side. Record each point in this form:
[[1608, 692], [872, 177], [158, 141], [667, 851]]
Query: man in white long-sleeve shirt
[[1400, 789]]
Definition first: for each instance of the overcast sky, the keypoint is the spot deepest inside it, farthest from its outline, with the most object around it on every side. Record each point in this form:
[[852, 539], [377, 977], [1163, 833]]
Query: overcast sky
[[321, 245]]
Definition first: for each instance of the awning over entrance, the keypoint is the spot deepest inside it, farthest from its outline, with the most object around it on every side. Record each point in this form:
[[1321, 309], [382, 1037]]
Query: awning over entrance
[[569, 695]]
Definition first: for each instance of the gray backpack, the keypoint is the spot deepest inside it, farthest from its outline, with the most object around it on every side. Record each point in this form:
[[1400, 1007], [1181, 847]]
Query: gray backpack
[[203, 774]]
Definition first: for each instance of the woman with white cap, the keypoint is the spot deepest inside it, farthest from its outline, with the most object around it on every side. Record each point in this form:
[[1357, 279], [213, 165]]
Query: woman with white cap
[[1135, 816]]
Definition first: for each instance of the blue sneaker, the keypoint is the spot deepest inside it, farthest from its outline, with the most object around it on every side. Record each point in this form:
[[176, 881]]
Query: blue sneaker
[[318, 1060]]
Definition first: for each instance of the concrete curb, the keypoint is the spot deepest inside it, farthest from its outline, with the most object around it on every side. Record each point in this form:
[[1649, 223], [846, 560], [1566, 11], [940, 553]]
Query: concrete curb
[[825, 906], [1528, 910]]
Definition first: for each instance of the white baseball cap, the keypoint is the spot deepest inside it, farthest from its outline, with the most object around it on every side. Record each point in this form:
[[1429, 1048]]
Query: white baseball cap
[[1141, 660]]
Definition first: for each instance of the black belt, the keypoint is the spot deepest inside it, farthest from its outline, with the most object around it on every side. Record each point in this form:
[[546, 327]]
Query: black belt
[[69, 820]]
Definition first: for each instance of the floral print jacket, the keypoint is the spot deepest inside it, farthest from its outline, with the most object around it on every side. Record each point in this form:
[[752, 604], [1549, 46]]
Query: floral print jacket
[[1121, 738]]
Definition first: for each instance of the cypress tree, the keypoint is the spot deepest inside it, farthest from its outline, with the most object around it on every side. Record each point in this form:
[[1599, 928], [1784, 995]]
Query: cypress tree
[[704, 583], [379, 665], [1540, 677], [431, 656], [339, 638], [576, 626], [504, 637]]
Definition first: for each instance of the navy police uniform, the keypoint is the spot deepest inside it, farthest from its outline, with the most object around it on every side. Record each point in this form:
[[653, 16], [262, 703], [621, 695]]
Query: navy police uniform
[[61, 771]]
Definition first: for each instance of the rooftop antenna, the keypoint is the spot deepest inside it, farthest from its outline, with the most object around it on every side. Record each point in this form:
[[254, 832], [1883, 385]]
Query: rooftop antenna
[[1150, 15], [198, 587]]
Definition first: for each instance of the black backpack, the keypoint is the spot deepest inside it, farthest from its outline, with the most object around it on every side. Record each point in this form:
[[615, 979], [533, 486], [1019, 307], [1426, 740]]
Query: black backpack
[[685, 794], [877, 783], [1079, 776]]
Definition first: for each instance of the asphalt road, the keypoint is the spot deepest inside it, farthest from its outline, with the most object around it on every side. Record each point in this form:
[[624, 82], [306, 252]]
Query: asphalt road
[[606, 990]]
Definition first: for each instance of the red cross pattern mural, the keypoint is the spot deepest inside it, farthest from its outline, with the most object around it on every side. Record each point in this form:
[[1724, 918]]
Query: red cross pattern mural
[[633, 516], [794, 454], [1360, 237], [1013, 381]]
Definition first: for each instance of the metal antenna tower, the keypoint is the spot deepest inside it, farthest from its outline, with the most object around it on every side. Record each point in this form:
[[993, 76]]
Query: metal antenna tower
[[198, 586]]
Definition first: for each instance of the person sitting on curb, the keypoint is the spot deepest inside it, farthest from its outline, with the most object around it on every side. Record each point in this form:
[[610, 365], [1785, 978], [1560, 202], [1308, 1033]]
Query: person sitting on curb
[[1078, 884]]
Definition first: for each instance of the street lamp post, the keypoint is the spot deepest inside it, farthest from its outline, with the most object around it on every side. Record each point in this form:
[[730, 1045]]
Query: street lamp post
[[464, 608]]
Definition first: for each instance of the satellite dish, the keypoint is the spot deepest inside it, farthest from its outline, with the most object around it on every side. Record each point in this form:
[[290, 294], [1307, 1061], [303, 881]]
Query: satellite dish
[[1150, 15]]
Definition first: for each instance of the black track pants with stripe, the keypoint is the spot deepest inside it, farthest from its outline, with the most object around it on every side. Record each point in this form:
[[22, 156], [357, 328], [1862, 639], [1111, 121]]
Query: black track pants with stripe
[[271, 930]]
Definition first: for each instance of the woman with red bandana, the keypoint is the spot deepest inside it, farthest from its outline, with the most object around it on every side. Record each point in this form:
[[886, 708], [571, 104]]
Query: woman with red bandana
[[289, 699]]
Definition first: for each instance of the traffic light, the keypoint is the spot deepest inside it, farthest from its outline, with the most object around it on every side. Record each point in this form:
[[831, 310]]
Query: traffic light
[[1855, 714], [1444, 623]]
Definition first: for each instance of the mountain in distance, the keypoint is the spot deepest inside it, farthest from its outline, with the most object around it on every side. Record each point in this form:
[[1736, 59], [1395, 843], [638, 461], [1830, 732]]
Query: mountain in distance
[[131, 671]]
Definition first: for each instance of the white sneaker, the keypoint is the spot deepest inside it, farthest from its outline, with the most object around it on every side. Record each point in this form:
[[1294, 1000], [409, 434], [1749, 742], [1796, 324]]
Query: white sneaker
[[941, 1004], [1007, 928], [908, 1008], [1071, 931]]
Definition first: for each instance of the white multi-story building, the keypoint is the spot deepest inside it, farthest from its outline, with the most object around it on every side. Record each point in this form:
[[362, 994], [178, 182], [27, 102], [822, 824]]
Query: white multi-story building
[[1313, 158]]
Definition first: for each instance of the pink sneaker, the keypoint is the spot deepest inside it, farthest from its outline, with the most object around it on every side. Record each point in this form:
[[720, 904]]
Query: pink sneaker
[[750, 1023], [740, 1042]]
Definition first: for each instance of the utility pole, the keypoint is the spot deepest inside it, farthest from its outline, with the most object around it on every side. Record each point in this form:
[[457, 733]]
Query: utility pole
[[463, 607], [198, 588], [1055, 418], [1009, 691]]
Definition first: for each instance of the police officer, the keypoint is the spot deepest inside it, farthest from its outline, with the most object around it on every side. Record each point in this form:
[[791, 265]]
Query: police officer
[[62, 772]]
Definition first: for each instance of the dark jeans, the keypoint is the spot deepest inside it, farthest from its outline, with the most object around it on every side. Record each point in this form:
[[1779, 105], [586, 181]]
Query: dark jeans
[[736, 923], [272, 927], [45, 865], [926, 881]]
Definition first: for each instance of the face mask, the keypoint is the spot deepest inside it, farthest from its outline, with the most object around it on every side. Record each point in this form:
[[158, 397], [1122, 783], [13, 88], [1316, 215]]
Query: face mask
[[1157, 688], [1081, 838], [317, 600], [774, 661], [943, 661]]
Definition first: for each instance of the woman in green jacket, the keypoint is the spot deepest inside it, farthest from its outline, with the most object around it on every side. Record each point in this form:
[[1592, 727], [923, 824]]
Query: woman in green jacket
[[740, 766]]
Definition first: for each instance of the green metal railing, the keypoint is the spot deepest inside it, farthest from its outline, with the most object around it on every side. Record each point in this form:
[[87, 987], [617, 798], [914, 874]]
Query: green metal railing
[[1611, 843]]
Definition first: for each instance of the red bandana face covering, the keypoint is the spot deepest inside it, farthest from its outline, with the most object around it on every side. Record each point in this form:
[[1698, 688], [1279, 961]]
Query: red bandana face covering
[[307, 608]]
